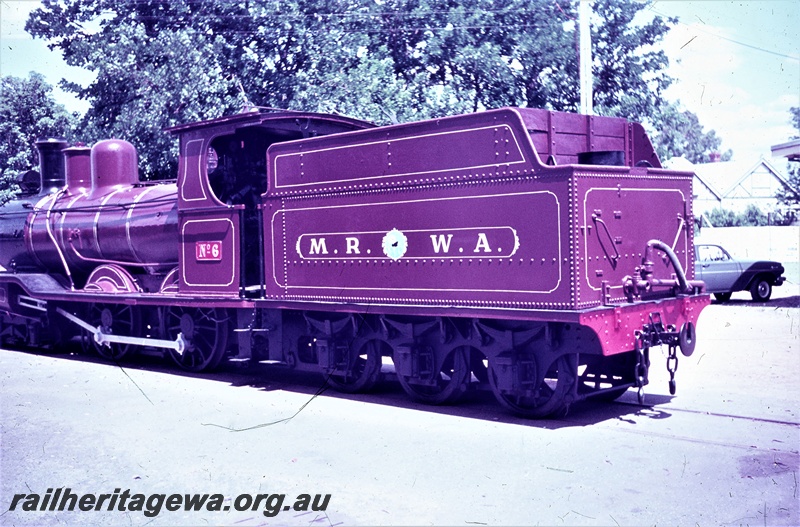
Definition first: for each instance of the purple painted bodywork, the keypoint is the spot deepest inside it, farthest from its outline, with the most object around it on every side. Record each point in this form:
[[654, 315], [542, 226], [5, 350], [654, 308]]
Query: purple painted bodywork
[[104, 215], [204, 217], [476, 217], [486, 215]]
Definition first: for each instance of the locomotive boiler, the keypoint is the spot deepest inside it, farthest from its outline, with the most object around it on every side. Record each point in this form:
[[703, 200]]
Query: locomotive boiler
[[536, 254]]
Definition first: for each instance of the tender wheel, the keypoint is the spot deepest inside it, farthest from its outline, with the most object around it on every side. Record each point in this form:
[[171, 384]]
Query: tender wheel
[[363, 368], [606, 378], [529, 398], [116, 319], [722, 297], [761, 289], [205, 331], [442, 385]]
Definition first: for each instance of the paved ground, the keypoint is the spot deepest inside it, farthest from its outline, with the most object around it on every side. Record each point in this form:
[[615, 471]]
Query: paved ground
[[724, 451]]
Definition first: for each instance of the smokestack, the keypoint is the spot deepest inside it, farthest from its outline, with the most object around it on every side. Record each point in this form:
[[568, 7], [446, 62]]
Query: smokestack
[[51, 163]]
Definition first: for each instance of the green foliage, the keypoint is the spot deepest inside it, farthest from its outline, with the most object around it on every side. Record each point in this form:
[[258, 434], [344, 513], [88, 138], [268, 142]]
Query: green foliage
[[678, 133], [27, 112], [791, 195], [630, 76], [720, 217], [795, 119], [153, 70], [752, 216], [160, 63], [481, 53]]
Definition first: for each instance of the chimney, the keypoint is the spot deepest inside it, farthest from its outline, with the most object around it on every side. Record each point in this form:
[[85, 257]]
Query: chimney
[[51, 163]]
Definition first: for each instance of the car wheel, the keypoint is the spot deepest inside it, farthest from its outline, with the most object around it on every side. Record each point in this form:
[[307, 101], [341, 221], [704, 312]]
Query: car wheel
[[761, 290], [722, 297]]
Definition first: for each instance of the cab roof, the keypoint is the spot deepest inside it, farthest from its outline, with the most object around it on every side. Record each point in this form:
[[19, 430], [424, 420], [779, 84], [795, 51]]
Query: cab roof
[[310, 123]]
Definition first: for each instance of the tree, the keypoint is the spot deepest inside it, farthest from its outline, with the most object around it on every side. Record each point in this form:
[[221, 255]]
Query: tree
[[486, 53], [720, 217], [28, 111], [513, 53], [162, 63], [414, 59], [752, 216], [676, 132], [630, 73], [153, 70]]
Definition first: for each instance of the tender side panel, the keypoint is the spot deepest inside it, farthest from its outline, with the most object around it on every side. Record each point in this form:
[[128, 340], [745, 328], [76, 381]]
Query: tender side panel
[[617, 215], [498, 245], [642, 152], [565, 135], [474, 146]]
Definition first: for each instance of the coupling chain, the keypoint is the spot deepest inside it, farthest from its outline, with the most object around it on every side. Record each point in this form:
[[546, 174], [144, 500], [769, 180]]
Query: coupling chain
[[672, 367], [642, 364]]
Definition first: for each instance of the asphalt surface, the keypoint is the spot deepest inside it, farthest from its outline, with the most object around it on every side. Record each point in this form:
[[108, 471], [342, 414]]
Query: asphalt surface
[[723, 451]]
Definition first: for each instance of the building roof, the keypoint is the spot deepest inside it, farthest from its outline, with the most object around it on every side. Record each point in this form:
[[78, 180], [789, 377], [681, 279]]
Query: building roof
[[722, 178], [789, 150]]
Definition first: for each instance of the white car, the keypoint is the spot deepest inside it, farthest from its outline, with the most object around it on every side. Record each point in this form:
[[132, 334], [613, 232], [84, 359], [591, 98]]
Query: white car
[[725, 275]]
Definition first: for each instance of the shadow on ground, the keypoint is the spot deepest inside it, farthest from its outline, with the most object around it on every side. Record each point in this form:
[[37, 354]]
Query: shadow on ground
[[789, 301], [476, 403]]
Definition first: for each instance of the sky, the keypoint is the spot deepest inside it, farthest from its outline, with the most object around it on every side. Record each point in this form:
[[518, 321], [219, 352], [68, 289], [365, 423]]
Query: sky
[[736, 65]]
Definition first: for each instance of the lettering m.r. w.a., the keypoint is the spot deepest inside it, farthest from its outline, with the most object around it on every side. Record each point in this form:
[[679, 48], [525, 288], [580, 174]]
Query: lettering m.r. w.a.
[[441, 244]]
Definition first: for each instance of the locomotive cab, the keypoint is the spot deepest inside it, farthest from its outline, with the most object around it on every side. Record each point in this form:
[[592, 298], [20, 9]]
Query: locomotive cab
[[236, 164], [221, 177], [236, 169]]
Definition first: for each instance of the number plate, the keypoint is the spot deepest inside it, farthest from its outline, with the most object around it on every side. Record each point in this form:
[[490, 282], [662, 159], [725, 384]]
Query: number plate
[[208, 251]]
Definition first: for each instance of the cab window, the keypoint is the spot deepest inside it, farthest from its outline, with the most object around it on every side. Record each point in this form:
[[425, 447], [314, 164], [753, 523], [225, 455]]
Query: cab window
[[237, 164]]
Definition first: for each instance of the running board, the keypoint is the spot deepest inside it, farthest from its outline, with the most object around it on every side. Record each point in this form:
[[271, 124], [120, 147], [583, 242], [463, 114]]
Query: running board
[[106, 339]]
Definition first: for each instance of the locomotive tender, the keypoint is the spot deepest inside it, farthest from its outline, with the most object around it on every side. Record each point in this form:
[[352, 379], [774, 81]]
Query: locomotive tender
[[535, 253]]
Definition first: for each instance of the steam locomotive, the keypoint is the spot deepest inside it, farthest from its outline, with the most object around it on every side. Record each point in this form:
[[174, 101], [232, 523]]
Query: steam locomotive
[[533, 253]]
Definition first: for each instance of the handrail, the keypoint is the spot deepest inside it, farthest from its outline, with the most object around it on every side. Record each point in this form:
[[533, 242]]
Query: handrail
[[52, 237]]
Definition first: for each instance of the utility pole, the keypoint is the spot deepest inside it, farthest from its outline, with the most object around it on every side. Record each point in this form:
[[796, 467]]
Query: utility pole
[[584, 16]]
